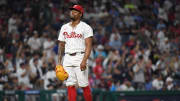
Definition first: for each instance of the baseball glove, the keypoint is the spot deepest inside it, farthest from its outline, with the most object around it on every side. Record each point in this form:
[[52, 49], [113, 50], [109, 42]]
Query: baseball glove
[[61, 74]]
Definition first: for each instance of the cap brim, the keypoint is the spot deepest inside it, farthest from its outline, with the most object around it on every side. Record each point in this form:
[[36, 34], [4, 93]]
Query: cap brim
[[71, 8], [74, 9]]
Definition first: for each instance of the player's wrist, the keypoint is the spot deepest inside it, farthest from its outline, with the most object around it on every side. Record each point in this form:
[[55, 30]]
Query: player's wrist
[[60, 63], [84, 60]]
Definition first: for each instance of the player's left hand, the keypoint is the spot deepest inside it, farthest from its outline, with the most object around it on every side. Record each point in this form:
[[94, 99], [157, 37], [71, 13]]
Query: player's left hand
[[83, 65]]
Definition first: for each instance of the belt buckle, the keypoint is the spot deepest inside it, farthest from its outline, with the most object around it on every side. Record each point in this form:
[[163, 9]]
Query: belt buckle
[[72, 54]]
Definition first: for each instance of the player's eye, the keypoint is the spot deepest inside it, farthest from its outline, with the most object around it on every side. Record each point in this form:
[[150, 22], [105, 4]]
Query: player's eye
[[74, 12]]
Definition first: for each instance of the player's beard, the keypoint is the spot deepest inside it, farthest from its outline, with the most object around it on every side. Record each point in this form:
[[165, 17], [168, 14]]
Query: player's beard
[[72, 18]]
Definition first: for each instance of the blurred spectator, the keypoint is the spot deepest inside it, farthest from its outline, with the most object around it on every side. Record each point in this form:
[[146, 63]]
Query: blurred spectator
[[115, 41], [3, 76], [12, 24], [169, 83], [1, 55], [161, 25], [130, 43], [23, 75], [34, 42], [139, 77], [48, 46], [129, 21], [112, 56], [126, 86], [8, 63], [115, 86], [98, 69], [160, 64], [99, 52], [158, 83], [20, 56], [49, 78], [36, 72]]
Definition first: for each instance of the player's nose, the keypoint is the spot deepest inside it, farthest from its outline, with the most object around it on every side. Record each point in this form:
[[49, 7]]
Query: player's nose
[[72, 13]]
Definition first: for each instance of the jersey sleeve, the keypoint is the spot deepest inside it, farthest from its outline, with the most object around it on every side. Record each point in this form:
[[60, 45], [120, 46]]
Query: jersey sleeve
[[88, 32], [61, 36]]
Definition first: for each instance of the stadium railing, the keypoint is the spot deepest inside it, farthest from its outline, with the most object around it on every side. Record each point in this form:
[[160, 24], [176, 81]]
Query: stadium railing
[[98, 95]]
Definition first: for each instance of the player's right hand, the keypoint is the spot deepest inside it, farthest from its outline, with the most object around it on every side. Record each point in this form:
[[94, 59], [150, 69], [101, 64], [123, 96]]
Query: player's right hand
[[83, 65]]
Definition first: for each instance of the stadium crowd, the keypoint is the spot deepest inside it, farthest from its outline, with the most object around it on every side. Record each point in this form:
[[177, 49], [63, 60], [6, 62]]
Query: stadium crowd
[[136, 43]]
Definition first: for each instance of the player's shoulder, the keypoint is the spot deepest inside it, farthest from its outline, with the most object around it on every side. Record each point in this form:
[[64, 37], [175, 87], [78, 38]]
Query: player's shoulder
[[85, 24]]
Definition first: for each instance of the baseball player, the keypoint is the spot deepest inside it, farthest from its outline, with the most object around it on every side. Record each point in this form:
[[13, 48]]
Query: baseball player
[[75, 40]]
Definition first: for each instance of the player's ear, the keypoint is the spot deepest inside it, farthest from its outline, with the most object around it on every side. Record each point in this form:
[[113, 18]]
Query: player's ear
[[81, 15]]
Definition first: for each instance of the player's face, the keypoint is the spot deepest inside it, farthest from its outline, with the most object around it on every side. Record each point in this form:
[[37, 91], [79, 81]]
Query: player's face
[[74, 15]]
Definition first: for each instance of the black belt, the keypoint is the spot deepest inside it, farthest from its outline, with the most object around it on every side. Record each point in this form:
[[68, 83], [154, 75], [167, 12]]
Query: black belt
[[74, 54]]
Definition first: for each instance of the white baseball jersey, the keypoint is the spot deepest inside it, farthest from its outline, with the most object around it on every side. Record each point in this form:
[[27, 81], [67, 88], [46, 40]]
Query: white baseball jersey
[[74, 37]]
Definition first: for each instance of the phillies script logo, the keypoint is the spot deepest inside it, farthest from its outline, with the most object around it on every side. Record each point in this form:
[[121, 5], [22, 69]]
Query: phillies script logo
[[72, 35]]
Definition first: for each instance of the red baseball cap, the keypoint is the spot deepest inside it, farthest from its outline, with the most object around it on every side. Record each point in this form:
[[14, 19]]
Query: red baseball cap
[[78, 8]]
